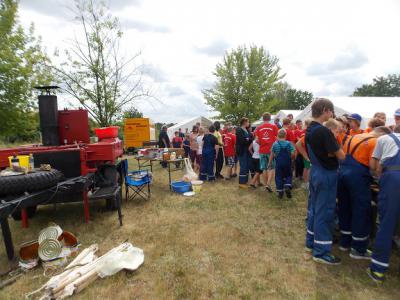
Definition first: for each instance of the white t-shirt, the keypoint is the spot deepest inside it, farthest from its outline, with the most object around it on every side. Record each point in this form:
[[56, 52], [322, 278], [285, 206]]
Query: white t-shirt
[[199, 141], [385, 147], [256, 150]]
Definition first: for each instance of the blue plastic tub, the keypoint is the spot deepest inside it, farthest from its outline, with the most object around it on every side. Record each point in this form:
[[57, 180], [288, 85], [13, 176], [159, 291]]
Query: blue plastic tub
[[181, 186]]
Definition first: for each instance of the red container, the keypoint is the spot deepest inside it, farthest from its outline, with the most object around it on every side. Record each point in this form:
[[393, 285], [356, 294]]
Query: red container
[[107, 132]]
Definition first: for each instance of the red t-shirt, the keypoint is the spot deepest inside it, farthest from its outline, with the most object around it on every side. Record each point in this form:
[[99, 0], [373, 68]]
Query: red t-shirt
[[290, 136], [266, 134], [298, 133], [229, 144]]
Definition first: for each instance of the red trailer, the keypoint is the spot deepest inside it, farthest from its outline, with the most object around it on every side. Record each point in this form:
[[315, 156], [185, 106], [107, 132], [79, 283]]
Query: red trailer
[[85, 171]]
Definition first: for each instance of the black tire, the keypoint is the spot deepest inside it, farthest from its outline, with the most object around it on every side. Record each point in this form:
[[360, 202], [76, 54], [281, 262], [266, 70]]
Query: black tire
[[31, 182], [30, 211]]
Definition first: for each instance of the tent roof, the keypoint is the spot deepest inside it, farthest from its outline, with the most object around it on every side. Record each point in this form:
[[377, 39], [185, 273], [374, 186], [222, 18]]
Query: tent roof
[[364, 106], [187, 122], [286, 112]]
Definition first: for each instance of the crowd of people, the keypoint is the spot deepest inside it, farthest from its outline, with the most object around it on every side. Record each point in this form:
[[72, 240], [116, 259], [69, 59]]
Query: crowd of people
[[337, 162]]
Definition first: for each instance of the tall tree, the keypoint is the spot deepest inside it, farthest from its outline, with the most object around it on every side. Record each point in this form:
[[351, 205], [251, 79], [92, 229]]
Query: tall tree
[[388, 86], [22, 67], [297, 99], [95, 72], [132, 112], [246, 84]]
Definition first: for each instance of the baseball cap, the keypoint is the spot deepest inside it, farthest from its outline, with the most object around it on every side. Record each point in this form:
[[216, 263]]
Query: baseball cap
[[355, 117], [397, 113]]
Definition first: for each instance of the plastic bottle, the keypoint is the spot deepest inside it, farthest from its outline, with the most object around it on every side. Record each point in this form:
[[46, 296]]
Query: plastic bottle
[[31, 162], [15, 162]]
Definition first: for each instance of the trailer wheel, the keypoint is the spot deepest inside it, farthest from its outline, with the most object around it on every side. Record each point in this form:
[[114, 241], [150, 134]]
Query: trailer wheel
[[31, 182], [30, 211]]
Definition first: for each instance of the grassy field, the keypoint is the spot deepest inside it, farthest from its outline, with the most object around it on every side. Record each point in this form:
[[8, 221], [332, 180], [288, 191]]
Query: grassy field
[[224, 243]]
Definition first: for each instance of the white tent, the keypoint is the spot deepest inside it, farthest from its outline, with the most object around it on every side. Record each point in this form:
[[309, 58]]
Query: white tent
[[188, 124], [364, 106], [284, 113]]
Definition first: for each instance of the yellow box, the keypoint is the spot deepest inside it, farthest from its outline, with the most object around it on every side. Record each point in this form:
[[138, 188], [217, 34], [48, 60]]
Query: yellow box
[[23, 161], [137, 131]]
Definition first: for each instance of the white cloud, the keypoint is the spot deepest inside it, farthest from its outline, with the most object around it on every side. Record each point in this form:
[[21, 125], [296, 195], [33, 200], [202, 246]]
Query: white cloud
[[326, 47]]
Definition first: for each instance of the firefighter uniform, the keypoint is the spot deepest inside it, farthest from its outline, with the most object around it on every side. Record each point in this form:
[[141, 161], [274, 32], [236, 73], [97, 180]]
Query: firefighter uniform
[[388, 209], [354, 193], [323, 185]]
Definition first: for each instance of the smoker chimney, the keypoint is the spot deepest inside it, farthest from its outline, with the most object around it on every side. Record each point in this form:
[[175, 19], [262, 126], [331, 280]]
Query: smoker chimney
[[48, 113]]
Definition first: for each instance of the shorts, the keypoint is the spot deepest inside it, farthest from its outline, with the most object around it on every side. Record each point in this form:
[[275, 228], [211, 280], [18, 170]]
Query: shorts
[[307, 164], [255, 165], [230, 161], [264, 160]]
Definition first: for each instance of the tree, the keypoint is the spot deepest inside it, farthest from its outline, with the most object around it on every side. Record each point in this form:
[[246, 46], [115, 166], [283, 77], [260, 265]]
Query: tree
[[381, 87], [247, 81], [95, 73], [297, 99], [132, 112], [22, 67]]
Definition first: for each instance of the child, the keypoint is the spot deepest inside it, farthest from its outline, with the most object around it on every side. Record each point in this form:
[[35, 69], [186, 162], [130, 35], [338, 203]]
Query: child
[[186, 145], [199, 140], [283, 152], [301, 148], [333, 126], [177, 140], [210, 148], [229, 151], [254, 149]]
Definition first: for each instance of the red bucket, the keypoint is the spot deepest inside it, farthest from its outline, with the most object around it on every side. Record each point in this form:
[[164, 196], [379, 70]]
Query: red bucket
[[106, 132]]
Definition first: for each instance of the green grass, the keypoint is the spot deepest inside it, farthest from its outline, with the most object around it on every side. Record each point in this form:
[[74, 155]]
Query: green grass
[[224, 243]]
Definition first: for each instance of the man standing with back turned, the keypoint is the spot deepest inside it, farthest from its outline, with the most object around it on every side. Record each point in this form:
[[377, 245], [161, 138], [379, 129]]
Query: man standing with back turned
[[324, 153]]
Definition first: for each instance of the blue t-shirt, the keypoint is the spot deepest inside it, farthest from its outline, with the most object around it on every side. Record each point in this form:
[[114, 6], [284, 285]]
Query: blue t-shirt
[[279, 145], [186, 146]]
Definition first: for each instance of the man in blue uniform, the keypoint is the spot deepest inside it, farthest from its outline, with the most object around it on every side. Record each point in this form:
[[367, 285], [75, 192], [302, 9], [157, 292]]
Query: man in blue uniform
[[324, 153], [386, 160]]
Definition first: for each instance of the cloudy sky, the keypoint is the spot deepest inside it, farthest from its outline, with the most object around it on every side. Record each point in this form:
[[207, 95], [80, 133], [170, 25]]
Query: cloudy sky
[[326, 47]]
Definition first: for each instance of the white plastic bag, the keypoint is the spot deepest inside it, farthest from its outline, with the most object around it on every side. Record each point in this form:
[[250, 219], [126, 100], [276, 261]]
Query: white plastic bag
[[189, 173]]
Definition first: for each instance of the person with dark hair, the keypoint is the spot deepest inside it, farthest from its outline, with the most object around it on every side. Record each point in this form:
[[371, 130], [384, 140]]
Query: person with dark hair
[[277, 123], [181, 134], [386, 161], [243, 141], [324, 153], [266, 134], [354, 194], [164, 142], [219, 163], [210, 147], [194, 146]]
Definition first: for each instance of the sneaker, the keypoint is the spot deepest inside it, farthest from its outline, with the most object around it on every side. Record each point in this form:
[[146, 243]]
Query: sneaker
[[344, 249], [280, 195], [268, 188], [378, 277], [253, 186], [243, 186], [328, 259], [234, 175], [358, 255], [288, 193], [219, 176]]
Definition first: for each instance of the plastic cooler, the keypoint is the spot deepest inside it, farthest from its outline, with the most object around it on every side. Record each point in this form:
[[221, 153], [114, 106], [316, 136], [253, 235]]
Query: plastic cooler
[[106, 132]]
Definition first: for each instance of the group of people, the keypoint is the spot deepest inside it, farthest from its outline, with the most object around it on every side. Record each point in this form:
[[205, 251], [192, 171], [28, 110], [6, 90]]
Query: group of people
[[344, 162], [335, 158]]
